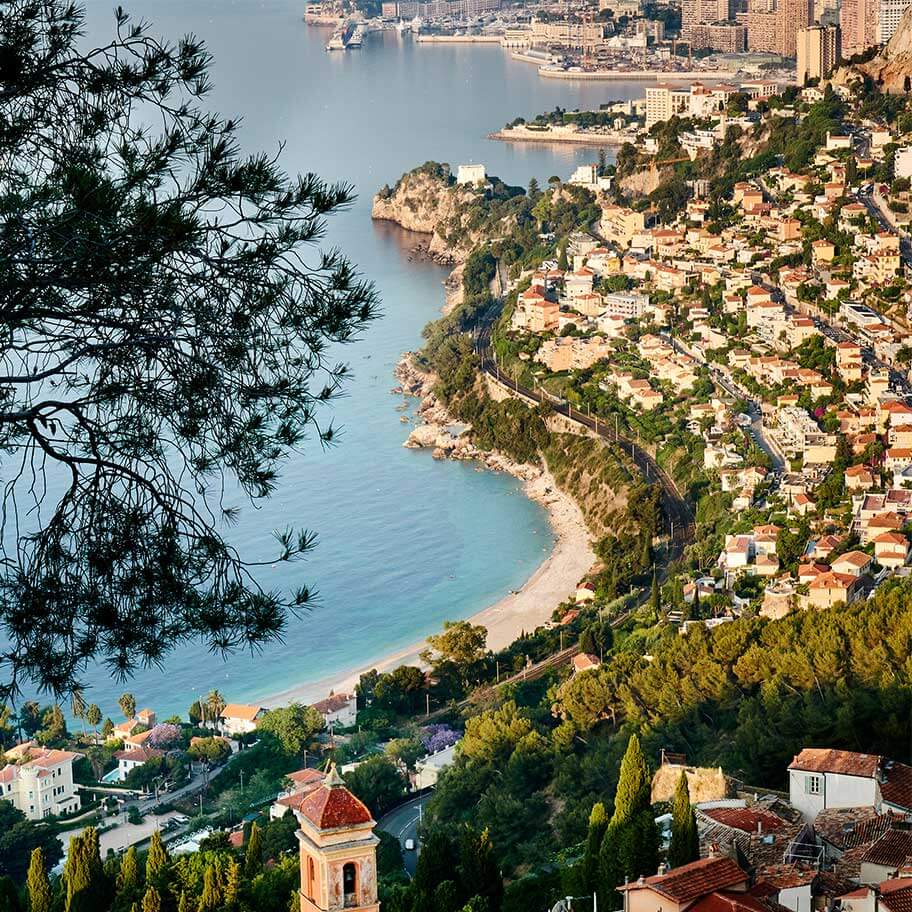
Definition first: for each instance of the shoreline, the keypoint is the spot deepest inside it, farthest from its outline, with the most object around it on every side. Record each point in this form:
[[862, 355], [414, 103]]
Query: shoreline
[[553, 581], [530, 606]]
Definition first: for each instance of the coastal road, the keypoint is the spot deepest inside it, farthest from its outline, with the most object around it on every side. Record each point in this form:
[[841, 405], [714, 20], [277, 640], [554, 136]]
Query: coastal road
[[403, 824], [678, 514]]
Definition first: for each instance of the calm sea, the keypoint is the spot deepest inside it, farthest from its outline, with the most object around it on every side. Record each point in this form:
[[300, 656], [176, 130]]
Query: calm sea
[[405, 542]]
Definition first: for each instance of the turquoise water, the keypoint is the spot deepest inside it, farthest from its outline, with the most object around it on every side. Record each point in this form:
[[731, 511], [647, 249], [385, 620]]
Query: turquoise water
[[405, 542]]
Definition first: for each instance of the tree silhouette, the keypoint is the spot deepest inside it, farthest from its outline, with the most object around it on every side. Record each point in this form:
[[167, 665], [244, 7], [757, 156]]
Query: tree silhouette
[[167, 316]]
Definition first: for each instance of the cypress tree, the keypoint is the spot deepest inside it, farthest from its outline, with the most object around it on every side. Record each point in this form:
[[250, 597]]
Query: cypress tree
[[9, 895], [128, 877], [598, 823], [84, 874], [685, 841], [478, 870], [151, 901], [183, 904], [232, 884], [631, 843], [211, 897], [37, 883], [656, 596], [634, 785], [253, 859], [157, 859]]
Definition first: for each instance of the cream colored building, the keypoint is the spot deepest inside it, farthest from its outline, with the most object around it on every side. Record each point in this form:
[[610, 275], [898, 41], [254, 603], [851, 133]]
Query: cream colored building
[[39, 782], [818, 49]]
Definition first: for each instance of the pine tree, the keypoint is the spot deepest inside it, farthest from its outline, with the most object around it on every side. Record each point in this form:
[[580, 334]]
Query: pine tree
[[598, 823], [157, 859], [37, 884], [128, 877], [685, 841], [151, 901], [253, 859], [211, 897]]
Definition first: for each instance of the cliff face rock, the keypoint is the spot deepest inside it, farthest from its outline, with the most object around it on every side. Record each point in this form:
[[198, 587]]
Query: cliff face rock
[[427, 201], [891, 69]]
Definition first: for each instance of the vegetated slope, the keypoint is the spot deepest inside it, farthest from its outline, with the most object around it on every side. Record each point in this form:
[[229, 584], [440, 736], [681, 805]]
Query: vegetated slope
[[594, 475]]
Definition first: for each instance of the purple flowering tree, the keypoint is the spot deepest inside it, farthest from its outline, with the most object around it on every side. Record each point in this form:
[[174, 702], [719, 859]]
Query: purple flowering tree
[[436, 737], [165, 735]]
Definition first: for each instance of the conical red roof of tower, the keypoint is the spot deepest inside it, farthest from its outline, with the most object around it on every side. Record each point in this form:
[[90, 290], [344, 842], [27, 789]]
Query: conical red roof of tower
[[332, 805]]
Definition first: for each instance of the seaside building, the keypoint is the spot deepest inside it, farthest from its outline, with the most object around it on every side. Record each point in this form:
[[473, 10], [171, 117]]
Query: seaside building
[[239, 719], [818, 52], [568, 33], [726, 37], [38, 781], [471, 175], [337, 849], [437, 9]]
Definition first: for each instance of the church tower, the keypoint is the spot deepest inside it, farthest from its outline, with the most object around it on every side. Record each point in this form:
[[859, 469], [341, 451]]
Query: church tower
[[338, 850]]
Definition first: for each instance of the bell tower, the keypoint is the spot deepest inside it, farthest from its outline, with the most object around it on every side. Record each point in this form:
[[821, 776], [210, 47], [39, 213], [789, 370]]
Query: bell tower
[[338, 850]]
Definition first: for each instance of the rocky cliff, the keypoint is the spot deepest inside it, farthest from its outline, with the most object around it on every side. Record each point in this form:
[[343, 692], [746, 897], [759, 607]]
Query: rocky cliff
[[426, 200], [891, 69]]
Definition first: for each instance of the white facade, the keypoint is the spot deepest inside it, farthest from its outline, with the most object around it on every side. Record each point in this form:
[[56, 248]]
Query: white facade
[[902, 165], [471, 174], [41, 782], [890, 12], [813, 792], [339, 710]]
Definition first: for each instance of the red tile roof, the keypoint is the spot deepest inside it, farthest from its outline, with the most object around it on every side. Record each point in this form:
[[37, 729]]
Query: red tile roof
[[896, 895], [785, 876], [897, 787], [846, 763], [728, 901], [332, 806], [746, 819], [891, 850], [693, 881]]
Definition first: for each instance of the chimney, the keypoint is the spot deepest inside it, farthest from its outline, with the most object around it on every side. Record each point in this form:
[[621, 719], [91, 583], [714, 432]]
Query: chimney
[[759, 827], [713, 850], [663, 868]]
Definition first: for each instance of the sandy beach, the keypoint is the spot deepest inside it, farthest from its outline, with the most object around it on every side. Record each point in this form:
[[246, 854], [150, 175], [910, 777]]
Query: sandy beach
[[554, 580]]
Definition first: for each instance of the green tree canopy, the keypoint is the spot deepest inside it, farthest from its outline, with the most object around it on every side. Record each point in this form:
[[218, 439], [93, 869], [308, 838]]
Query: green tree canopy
[[293, 727]]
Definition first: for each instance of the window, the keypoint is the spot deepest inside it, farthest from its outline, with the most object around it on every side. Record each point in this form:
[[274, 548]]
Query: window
[[349, 884], [813, 785], [310, 878]]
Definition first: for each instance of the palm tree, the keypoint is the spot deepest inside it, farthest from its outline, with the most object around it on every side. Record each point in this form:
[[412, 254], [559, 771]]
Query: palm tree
[[215, 703], [127, 704], [78, 707], [93, 717]]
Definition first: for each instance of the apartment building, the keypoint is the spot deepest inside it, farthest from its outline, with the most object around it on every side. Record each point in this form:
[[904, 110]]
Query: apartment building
[[819, 50], [620, 224], [858, 20]]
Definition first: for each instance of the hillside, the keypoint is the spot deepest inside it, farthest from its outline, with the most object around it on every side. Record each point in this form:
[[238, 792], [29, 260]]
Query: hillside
[[456, 217]]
